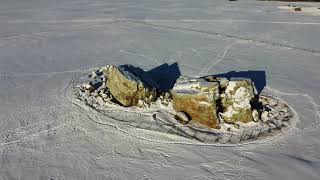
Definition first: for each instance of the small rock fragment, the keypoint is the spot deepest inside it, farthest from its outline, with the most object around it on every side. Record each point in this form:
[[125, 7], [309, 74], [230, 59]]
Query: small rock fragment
[[88, 87], [265, 116], [140, 103], [255, 115], [182, 117]]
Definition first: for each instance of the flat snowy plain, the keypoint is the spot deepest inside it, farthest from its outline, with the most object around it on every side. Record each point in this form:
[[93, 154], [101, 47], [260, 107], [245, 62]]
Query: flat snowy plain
[[44, 44]]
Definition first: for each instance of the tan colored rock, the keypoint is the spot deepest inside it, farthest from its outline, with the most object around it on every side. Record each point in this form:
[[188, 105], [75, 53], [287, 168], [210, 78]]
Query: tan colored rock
[[128, 85], [182, 117], [255, 115], [197, 98], [236, 101], [140, 103]]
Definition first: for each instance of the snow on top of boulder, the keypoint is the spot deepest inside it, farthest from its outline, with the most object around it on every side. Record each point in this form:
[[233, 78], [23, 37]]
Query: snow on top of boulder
[[195, 86], [230, 87], [242, 98]]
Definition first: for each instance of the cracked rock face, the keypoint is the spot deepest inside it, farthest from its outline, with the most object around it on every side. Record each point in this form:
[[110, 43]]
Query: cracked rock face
[[130, 86], [197, 98], [236, 102]]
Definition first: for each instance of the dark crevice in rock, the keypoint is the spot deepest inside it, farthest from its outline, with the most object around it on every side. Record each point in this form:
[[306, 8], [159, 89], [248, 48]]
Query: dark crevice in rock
[[257, 105], [219, 106]]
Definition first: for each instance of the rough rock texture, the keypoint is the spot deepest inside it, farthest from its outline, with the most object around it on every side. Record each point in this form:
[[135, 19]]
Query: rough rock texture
[[197, 98], [129, 84], [201, 100], [236, 101]]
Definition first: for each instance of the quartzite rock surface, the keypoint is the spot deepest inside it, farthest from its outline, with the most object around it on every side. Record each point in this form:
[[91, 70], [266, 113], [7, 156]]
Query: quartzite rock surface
[[129, 84], [197, 98], [201, 99], [236, 101]]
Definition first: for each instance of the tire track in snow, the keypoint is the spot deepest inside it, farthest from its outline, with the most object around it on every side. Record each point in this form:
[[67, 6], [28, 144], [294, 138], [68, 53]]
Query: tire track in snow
[[141, 55], [230, 36], [205, 70], [159, 20], [137, 136], [234, 20], [81, 70], [22, 21], [44, 73], [28, 137], [147, 22], [80, 27], [62, 94], [196, 52]]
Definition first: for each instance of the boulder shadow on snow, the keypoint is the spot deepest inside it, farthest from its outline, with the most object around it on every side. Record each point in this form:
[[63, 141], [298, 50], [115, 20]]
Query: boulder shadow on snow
[[165, 76], [257, 77], [162, 77]]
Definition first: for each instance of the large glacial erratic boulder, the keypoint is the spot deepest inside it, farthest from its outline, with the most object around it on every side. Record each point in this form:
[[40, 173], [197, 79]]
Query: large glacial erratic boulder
[[130, 85], [236, 101], [231, 105], [210, 101], [197, 98]]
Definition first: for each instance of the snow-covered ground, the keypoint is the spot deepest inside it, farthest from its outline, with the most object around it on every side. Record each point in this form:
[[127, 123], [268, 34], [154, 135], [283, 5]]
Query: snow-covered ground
[[44, 44]]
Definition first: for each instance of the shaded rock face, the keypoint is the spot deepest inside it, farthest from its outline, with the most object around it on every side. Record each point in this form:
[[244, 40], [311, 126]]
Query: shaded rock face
[[236, 101], [129, 84], [197, 98]]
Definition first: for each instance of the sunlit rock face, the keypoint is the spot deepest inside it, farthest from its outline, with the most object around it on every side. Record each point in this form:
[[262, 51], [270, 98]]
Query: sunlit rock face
[[129, 84], [236, 101], [209, 101], [204, 99], [197, 98]]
